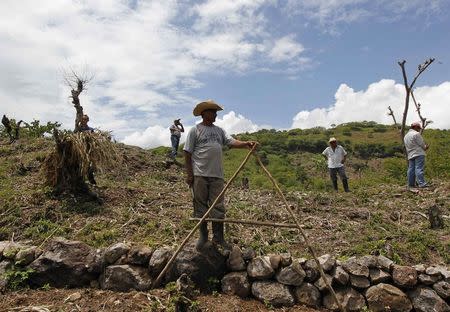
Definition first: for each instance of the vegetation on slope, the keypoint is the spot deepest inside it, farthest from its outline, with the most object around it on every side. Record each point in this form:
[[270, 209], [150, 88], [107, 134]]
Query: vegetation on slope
[[147, 203]]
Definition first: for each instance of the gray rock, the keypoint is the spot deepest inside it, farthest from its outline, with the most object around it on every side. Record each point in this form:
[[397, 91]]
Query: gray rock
[[433, 271], [200, 266], [158, 260], [125, 278], [235, 261], [286, 259], [308, 294], [260, 268], [445, 273], [139, 256], [311, 270], [384, 263], [442, 288], [425, 299], [236, 283], [248, 254], [349, 298], [276, 294], [355, 267], [114, 252], [359, 282], [327, 262], [66, 264], [369, 261], [340, 276], [320, 283], [291, 275], [420, 268], [379, 276], [26, 256], [5, 265], [275, 261], [385, 297], [429, 280], [10, 249], [404, 276]]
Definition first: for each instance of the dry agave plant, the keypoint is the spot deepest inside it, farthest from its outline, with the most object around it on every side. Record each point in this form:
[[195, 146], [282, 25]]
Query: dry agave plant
[[75, 156]]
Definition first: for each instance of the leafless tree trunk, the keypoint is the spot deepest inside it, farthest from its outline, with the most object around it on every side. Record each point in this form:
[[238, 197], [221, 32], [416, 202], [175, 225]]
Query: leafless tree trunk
[[409, 87], [77, 82]]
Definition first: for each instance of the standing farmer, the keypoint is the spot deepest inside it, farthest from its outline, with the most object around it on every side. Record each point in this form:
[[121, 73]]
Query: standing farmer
[[415, 149], [336, 155], [204, 169], [175, 135]]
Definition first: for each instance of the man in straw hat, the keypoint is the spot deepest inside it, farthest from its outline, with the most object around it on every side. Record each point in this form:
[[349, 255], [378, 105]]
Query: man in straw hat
[[204, 169], [336, 155], [415, 148]]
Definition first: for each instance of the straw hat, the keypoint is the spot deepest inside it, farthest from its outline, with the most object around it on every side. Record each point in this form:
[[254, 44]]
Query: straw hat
[[416, 125], [332, 140], [208, 104]]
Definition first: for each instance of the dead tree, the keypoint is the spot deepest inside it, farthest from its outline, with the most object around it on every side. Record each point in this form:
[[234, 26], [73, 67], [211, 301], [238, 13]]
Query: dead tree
[[77, 83], [409, 88]]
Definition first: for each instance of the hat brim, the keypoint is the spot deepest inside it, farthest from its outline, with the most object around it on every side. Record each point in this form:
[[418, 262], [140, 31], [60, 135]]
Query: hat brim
[[200, 107]]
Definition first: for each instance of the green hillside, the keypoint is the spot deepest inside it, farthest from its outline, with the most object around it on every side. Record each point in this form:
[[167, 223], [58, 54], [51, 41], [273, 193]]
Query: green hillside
[[146, 200]]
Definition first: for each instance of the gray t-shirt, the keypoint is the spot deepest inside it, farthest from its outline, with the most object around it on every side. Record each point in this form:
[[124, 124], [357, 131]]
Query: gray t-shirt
[[414, 144], [205, 144]]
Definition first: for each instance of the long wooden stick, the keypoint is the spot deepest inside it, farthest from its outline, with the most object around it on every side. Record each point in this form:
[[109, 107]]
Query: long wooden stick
[[299, 227], [169, 263], [263, 223]]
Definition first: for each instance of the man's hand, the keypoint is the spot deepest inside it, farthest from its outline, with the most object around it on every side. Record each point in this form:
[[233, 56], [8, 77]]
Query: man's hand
[[427, 146], [250, 144], [190, 180]]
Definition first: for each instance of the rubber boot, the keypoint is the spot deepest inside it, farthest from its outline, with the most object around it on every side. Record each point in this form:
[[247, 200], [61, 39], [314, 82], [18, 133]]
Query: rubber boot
[[218, 237], [335, 185], [203, 238], [345, 184]]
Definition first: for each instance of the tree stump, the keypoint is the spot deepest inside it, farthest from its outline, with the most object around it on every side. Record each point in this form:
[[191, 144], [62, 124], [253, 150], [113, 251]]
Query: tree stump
[[435, 217]]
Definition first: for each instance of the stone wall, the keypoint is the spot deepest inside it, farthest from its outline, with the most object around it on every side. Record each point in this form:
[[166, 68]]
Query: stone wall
[[280, 280]]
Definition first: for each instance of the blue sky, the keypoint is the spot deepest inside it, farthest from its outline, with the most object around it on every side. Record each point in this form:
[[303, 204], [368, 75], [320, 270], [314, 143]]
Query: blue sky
[[281, 64]]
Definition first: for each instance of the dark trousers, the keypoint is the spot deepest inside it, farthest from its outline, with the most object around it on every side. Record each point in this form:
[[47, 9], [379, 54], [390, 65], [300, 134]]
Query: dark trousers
[[334, 172]]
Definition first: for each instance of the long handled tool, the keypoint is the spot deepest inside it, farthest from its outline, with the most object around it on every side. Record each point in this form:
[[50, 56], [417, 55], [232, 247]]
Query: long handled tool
[[169, 263]]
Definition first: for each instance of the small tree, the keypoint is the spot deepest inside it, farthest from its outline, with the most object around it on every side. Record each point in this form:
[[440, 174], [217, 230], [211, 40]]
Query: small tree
[[409, 93], [11, 125]]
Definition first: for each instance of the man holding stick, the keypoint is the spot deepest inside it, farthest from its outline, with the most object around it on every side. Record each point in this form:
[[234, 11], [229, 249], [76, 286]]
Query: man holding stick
[[204, 168]]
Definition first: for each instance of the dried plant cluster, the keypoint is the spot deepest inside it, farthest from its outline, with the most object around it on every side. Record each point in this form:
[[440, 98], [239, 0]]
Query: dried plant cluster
[[75, 154]]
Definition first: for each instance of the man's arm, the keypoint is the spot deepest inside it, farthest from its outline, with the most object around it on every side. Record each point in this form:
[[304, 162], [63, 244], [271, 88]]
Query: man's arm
[[180, 127], [343, 159], [242, 144], [188, 166]]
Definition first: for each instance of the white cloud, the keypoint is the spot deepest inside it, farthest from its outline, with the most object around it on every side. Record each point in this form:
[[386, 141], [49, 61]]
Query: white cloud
[[234, 123], [286, 49], [155, 136], [330, 13], [146, 58], [371, 105]]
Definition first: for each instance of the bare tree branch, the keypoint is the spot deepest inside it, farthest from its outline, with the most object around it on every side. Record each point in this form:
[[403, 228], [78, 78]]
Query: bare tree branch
[[408, 88], [391, 113], [423, 120]]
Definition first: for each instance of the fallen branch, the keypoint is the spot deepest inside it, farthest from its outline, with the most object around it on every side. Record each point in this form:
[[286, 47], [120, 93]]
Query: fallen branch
[[263, 223]]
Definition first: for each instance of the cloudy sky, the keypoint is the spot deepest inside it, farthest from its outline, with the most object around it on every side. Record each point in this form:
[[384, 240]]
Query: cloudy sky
[[271, 63]]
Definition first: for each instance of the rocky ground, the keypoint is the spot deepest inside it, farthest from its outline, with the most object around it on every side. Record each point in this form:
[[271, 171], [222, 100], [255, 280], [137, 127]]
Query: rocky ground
[[147, 202]]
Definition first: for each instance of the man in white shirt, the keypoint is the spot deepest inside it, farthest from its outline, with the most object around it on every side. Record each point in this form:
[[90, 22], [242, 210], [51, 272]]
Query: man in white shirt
[[336, 155], [415, 149], [175, 135], [204, 169]]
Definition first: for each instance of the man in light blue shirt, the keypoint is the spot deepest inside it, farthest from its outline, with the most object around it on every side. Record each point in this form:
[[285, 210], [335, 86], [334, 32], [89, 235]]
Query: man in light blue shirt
[[415, 149], [204, 169]]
